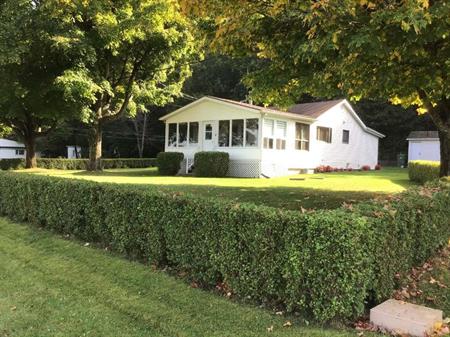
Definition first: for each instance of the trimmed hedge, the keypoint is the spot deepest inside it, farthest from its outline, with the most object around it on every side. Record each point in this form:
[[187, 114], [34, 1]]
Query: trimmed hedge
[[211, 164], [422, 171], [78, 164], [169, 163], [324, 263]]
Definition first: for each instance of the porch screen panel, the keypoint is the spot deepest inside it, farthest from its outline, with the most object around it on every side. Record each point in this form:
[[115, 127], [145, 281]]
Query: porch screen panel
[[172, 141], [237, 132], [251, 132], [182, 134], [224, 133], [193, 132]]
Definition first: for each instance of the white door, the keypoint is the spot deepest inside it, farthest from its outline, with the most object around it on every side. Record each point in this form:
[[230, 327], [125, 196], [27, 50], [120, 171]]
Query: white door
[[209, 135]]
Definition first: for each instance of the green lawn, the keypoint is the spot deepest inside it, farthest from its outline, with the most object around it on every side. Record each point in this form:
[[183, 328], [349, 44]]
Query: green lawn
[[54, 287], [315, 191]]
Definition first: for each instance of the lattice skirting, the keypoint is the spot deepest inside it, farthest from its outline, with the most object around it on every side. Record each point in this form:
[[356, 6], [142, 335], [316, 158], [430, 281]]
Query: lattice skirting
[[237, 168], [244, 168]]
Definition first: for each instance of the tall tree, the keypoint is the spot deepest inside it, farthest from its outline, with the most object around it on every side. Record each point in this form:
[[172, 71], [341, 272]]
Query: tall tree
[[30, 61], [396, 50], [128, 50]]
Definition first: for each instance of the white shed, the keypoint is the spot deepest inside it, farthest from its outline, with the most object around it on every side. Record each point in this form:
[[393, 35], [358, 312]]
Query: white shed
[[424, 145], [10, 149], [271, 142]]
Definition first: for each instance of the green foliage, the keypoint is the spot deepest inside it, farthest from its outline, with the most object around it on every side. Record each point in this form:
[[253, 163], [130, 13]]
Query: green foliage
[[323, 263], [211, 164], [78, 164], [169, 163], [422, 171], [30, 63]]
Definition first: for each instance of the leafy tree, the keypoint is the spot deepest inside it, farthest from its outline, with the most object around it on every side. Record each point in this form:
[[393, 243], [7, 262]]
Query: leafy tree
[[128, 51], [396, 50], [30, 62]]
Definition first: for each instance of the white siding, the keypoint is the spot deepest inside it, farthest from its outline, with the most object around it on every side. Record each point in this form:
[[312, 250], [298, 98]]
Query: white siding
[[424, 150], [361, 150], [245, 159], [8, 149]]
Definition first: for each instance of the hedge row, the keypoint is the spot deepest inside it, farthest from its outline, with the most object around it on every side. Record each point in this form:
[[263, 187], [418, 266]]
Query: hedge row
[[324, 263], [422, 171], [78, 164]]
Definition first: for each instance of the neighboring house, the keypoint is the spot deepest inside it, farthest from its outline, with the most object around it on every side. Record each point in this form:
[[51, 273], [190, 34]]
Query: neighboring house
[[271, 142], [10, 149], [73, 152], [424, 145]]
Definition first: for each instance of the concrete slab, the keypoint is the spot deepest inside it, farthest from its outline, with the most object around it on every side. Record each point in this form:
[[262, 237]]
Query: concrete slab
[[407, 318]]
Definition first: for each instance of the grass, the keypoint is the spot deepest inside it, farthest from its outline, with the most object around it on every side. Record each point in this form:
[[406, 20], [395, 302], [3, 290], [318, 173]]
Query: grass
[[307, 191], [55, 287]]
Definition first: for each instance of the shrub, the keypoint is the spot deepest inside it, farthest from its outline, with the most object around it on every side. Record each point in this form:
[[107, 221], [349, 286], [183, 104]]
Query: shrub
[[169, 163], [365, 168], [78, 164], [211, 164], [378, 167], [422, 171], [326, 263], [12, 164]]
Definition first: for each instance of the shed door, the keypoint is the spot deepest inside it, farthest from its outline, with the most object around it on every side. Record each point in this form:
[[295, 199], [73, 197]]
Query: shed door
[[209, 135]]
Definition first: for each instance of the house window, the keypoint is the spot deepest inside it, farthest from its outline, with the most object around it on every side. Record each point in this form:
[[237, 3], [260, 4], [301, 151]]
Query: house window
[[280, 134], [224, 133], [20, 152], [237, 132], [345, 136], [324, 134], [182, 134], [269, 133], [302, 136], [193, 132], [251, 132], [172, 141]]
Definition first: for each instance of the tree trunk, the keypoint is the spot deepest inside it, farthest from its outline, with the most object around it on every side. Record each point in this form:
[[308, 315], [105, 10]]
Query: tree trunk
[[95, 149], [140, 134], [30, 146], [444, 138]]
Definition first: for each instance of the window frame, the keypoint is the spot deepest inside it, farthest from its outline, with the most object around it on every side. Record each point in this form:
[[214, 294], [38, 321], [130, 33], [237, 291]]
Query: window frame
[[345, 140], [302, 139], [330, 134]]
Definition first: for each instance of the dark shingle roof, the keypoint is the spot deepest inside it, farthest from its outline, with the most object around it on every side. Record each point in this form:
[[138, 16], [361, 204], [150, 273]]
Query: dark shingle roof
[[423, 134], [314, 109]]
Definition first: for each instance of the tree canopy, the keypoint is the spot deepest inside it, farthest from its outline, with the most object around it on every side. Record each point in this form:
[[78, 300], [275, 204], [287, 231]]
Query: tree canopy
[[129, 53], [30, 63], [326, 48]]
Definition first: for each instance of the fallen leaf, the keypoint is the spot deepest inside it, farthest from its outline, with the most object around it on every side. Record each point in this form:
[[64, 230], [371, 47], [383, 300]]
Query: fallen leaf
[[287, 324], [270, 328]]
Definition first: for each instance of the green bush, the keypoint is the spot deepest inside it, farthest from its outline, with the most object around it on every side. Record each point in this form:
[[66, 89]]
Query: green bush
[[211, 164], [169, 163], [422, 171], [78, 164], [12, 164], [326, 263]]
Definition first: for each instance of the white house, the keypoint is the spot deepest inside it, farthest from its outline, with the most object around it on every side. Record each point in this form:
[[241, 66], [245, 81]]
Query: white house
[[270, 142], [424, 145], [10, 149], [73, 151]]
